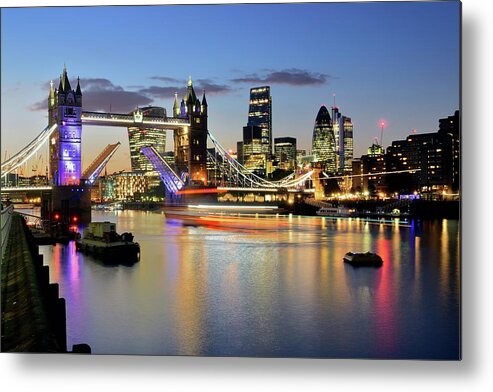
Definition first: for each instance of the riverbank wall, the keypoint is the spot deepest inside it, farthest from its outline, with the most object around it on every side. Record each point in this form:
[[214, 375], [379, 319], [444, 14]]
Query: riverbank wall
[[33, 316]]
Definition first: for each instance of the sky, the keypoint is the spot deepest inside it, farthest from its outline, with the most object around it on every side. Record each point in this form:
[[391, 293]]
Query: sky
[[392, 61]]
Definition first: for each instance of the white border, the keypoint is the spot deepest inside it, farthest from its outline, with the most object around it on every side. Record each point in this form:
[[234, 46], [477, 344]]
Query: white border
[[473, 373]]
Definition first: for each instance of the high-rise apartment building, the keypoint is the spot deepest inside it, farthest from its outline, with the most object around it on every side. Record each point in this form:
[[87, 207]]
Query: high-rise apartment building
[[323, 141], [260, 115], [450, 127]]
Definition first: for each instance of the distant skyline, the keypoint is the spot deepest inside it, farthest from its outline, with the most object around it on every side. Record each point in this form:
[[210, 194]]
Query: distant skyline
[[392, 61]]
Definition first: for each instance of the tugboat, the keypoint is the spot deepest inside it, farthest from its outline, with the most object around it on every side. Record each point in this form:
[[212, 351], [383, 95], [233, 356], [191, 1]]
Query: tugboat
[[363, 259], [101, 240]]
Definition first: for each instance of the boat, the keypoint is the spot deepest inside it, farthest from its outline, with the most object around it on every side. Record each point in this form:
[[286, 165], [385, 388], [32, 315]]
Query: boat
[[101, 240], [241, 217], [335, 211], [363, 259]]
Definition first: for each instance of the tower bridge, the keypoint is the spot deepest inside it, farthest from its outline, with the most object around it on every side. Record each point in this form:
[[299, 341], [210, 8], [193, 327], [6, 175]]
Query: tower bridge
[[70, 187]]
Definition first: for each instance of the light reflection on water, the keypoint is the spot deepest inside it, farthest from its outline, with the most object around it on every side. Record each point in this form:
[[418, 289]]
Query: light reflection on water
[[275, 291]]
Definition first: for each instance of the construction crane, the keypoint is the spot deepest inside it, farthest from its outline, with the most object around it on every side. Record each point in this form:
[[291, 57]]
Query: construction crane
[[37, 163]]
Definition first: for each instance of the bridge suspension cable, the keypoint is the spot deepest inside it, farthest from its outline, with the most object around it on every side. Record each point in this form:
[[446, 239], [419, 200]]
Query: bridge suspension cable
[[246, 178], [27, 152]]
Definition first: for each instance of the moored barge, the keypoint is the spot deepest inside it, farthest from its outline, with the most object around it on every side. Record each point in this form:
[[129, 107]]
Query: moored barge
[[101, 240]]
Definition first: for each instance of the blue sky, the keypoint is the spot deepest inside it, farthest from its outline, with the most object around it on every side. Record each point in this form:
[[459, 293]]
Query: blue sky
[[392, 61]]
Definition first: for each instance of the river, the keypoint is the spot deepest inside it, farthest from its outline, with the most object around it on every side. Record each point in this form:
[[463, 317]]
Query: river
[[273, 291]]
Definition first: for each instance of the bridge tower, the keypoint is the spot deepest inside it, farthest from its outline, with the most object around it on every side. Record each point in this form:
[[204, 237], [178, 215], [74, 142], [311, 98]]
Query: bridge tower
[[191, 143], [71, 199], [64, 109]]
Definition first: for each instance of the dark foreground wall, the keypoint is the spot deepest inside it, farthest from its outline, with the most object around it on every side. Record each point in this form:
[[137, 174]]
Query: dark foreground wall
[[33, 316]]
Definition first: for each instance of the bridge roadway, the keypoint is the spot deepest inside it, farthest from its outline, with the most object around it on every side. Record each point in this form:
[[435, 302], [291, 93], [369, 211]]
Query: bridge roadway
[[33, 316]]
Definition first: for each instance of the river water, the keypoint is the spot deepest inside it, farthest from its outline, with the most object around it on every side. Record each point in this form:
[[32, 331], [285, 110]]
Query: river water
[[270, 291]]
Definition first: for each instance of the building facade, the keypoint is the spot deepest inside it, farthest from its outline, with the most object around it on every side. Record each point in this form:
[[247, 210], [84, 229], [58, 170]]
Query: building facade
[[260, 115], [253, 156], [285, 152], [323, 141], [139, 138], [343, 137]]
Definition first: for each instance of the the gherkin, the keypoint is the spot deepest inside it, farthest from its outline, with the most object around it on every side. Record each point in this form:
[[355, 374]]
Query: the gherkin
[[323, 141]]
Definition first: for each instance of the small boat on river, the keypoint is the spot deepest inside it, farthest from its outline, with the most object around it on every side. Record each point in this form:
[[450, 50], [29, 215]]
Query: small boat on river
[[101, 240], [363, 259], [335, 212]]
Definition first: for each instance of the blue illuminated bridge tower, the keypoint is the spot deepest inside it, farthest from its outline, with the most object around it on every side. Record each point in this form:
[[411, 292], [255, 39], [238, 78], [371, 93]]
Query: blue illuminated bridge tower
[[70, 197]]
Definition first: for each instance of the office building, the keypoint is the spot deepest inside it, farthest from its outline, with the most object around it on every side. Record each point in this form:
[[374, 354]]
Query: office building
[[253, 156], [323, 141], [343, 137], [285, 152], [139, 138], [260, 115]]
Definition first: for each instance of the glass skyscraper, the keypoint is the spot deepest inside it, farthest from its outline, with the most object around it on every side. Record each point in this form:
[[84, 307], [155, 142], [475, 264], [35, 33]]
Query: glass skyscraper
[[139, 138], [285, 152], [323, 141], [347, 147], [343, 135], [260, 115]]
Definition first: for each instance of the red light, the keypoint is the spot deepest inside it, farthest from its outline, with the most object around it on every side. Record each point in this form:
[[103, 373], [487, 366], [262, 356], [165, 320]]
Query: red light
[[57, 216], [75, 219]]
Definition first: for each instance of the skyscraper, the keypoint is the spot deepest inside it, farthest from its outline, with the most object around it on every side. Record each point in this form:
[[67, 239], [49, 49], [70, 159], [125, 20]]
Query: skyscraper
[[139, 138], [348, 149], [343, 136], [285, 152], [253, 157], [323, 141], [260, 115]]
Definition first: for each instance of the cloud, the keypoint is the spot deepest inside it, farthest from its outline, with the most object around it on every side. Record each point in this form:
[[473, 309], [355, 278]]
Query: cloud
[[120, 101], [100, 93], [292, 77], [162, 92], [166, 79], [209, 86], [213, 88], [41, 105]]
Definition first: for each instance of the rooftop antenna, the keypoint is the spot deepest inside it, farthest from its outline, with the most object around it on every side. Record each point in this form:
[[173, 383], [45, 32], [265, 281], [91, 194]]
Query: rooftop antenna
[[334, 95]]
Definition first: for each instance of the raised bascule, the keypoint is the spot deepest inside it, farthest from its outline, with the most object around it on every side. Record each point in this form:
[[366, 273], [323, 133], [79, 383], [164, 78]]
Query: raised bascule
[[70, 186]]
